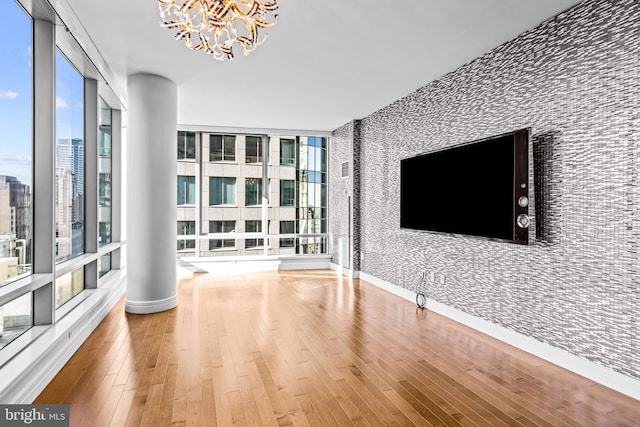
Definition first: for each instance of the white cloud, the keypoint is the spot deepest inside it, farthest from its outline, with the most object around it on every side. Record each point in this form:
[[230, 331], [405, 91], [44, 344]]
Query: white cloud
[[8, 94], [15, 159], [61, 103]]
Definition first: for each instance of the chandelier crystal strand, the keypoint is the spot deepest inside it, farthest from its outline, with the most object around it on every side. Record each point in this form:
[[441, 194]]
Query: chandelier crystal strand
[[217, 26]]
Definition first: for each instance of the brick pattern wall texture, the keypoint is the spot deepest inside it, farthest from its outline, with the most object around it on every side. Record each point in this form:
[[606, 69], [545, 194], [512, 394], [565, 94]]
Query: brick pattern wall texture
[[575, 81]]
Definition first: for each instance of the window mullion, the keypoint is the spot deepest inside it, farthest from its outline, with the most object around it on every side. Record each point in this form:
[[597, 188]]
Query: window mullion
[[265, 194]]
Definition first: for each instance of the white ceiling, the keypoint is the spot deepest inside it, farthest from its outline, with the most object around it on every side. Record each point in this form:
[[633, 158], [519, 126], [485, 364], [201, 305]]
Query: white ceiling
[[325, 62]]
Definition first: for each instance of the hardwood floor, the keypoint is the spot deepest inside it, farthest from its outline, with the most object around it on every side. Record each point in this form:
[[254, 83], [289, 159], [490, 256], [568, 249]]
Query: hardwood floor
[[311, 348]]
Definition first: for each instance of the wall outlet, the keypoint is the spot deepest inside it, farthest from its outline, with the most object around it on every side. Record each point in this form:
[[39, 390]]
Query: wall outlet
[[441, 278]]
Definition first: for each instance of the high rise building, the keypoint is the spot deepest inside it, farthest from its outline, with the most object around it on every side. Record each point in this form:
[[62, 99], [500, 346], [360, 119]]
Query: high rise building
[[15, 222], [230, 204], [70, 156]]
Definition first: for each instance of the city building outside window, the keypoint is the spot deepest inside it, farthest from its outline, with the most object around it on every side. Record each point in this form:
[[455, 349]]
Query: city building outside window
[[236, 191], [287, 152], [186, 145], [186, 190], [252, 226], [312, 194], [68, 286], [253, 191], [222, 227], [287, 227], [15, 318], [69, 197], [222, 191], [104, 174], [104, 264], [186, 228], [59, 150], [253, 149], [222, 148], [287, 192], [16, 123]]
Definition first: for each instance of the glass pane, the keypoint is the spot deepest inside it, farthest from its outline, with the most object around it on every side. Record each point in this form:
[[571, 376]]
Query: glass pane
[[287, 192], [191, 190], [229, 191], [287, 227], [191, 145], [253, 149], [186, 145], [215, 191], [302, 157], [104, 264], [299, 203], [69, 186], [253, 226], [323, 164], [317, 166], [287, 152], [186, 228], [230, 148], [186, 190], [104, 130], [15, 319], [15, 143], [222, 147], [217, 244], [215, 148], [184, 244], [104, 189], [104, 173], [311, 159], [222, 226], [104, 232], [222, 191], [253, 191], [68, 286]]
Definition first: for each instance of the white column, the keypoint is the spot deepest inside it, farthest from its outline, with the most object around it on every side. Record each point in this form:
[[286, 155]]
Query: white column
[[151, 194]]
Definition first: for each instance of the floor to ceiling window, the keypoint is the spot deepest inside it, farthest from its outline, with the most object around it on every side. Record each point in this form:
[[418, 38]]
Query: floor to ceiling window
[[312, 193], [69, 160], [104, 184], [16, 122], [45, 163], [247, 207], [187, 197], [69, 183]]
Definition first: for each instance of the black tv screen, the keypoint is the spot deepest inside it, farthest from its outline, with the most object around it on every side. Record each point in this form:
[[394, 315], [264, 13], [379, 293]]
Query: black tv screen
[[476, 189]]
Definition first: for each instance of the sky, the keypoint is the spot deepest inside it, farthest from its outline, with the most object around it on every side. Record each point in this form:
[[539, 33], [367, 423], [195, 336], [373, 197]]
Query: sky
[[16, 94]]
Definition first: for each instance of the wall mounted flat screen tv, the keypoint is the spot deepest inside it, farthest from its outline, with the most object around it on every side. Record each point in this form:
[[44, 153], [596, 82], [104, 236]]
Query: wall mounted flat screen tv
[[477, 189]]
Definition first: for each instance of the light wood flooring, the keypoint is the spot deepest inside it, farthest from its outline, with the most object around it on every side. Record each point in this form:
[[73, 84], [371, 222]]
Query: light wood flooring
[[312, 348]]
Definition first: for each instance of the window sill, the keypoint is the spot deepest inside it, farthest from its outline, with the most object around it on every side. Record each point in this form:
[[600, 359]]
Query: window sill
[[17, 288]]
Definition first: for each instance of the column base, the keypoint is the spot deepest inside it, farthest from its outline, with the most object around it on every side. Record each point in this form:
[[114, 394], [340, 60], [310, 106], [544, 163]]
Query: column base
[[148, 307]]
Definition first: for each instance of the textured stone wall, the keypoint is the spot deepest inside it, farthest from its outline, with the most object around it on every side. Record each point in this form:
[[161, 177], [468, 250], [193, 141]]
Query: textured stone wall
[[575, 81]]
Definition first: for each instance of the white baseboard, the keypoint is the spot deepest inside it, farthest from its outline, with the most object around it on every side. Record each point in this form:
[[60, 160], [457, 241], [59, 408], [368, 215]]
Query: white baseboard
[[600, 374], [30, 371], [148, 307], [343, 271]]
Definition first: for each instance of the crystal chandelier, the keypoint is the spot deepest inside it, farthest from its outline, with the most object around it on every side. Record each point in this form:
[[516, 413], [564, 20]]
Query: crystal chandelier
[[216, 26]]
